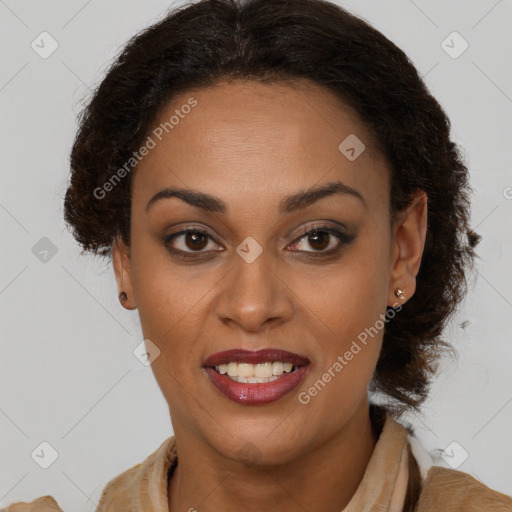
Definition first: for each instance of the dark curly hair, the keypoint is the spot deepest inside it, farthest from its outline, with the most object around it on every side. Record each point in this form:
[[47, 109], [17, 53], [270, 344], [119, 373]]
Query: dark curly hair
[[203, 43]]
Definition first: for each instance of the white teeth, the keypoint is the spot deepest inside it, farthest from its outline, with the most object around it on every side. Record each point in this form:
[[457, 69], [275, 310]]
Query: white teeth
[[232, 369], [261, 372], [255, 380], [245, 370], [277, 368]]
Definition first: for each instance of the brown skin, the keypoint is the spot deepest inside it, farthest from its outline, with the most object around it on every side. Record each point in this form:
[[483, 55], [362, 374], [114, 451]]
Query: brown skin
[[251, 144]]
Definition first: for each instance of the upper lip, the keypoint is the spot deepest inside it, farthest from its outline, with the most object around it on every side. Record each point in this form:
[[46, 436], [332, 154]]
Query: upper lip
[[239, 355]]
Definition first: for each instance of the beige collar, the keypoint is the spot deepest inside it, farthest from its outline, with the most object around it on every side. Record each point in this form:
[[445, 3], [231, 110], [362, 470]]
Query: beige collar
[[383, 487], [384, 483]]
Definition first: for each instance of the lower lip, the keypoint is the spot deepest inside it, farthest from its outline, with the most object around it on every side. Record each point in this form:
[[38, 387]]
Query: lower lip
[[256, 394]]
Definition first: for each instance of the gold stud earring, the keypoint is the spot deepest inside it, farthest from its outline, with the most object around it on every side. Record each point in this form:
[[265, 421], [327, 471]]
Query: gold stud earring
[[400, 293]]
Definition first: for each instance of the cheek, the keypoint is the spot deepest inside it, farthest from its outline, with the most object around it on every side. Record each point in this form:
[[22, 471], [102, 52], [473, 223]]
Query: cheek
[[167, 305], [171, 316], [163, 290], [347, 315], [346, 297], [347, 304]]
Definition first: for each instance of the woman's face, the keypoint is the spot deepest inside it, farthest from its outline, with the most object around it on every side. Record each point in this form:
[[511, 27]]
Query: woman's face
[[252, 279]]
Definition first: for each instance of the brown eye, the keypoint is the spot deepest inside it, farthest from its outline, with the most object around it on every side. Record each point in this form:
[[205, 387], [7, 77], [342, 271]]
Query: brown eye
[[195, 241], [321, 241], [318, 240], [189, 242]]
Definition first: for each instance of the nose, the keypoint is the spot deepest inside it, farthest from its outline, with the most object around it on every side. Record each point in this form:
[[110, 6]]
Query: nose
[[253, 296]]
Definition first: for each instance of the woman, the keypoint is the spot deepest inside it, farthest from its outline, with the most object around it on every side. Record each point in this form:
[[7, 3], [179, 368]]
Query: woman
[[279, 194]]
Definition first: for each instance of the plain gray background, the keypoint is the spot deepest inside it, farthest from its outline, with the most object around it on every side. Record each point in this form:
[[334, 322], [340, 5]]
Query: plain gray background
[[68, 373]]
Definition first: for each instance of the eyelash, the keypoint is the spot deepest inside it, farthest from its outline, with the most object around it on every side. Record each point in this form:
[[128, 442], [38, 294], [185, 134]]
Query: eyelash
[[344, 239]]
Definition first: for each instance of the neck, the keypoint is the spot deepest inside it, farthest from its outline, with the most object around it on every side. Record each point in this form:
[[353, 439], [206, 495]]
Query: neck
[[323, 480]]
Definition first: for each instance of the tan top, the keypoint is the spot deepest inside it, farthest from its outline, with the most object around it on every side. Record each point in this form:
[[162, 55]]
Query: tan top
[[143, 488]]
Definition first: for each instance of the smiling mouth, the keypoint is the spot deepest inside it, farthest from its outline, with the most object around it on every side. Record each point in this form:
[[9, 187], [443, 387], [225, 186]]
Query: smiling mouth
[[260, 373], [255, 367]]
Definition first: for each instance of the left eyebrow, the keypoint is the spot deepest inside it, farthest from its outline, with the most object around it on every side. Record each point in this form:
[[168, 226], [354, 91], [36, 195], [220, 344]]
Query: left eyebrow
[[307, 197], [289, 204]]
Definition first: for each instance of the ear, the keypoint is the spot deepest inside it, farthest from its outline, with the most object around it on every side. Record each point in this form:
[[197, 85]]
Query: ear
[[409, 233], [123, 272]]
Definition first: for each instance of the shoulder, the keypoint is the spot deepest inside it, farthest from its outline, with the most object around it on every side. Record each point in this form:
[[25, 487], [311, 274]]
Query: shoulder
[[451, 490], [143, 486], [42, 504], [116, 495]]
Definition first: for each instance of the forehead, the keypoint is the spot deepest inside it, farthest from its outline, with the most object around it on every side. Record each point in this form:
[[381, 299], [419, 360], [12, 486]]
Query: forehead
[[248, 136]]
